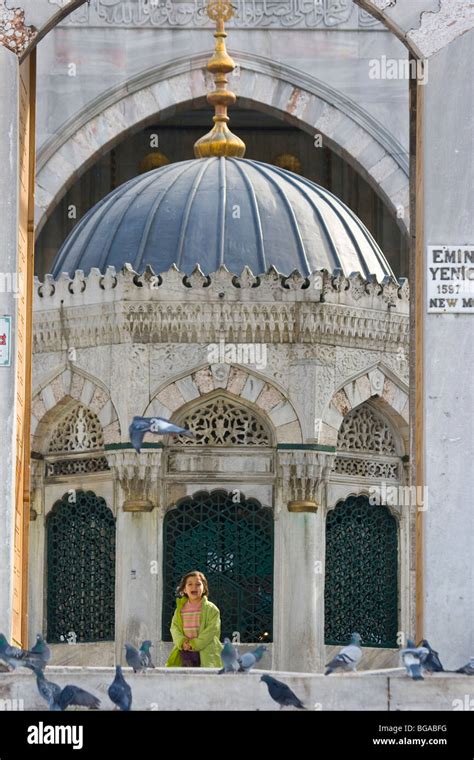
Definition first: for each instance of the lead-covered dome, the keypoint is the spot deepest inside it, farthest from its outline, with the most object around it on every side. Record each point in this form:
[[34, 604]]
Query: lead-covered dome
[[216, 211]]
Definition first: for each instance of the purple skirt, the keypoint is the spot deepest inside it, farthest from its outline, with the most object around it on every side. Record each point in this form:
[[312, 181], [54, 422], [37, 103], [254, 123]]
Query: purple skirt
[[190, 659]]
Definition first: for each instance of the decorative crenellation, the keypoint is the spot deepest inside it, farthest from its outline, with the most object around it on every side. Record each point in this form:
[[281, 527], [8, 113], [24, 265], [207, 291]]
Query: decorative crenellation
[[302, 473], [175, 307], [14, 34], [138, 476]]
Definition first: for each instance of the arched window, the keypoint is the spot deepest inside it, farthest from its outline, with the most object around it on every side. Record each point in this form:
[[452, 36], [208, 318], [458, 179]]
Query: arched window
[[81, 568], [76, 444], [221, 422], [230, 539], [361, 588], [366, 447]]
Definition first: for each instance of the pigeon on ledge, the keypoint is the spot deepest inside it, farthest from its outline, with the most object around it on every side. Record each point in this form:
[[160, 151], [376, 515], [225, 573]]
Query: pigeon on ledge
[[59, 699], [229, 657], [348, 657], [120, 692], [249, 659], [413, 657], [282, 693]]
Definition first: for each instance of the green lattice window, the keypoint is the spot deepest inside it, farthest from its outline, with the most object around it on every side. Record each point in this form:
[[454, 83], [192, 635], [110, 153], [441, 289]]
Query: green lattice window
[[81, 568], [231, 542], [361, 587]]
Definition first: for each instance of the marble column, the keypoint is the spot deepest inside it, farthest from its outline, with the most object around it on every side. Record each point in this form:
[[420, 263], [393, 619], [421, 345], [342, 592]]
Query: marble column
[[299, 580], [9, 176], [448, 351], [137, 479]]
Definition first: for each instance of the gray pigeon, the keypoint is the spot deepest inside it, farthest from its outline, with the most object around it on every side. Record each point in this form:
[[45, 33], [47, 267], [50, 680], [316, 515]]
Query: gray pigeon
[[120, 692], [348, 657], [134, 660], [16, 658], [432, 663], [42, 649], [145, 654], [59, 699], [412, 658], [249, 659], [158, 425], [229, 657], [467, 669], [282, 693]]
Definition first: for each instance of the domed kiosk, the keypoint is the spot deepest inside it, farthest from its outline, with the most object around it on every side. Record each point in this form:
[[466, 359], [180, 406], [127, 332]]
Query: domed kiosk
[[222, 211], [285, 351]]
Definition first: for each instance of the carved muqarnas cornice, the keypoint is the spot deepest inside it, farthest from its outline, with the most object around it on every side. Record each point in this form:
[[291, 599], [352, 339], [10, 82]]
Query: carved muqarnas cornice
[[125, 307], [301, 474], [14, 34], [138, 476]]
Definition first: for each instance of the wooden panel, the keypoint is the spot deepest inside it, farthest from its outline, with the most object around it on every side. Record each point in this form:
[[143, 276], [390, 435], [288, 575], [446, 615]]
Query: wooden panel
[[27, 97]]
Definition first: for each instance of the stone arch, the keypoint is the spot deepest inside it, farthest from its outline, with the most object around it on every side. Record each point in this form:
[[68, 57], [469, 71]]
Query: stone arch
[[237, 383], [61, 394], [304, 101], [379, 386], [423, 28]]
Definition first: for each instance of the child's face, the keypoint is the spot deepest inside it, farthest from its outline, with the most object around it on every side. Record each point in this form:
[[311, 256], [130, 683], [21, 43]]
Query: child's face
[[194, 588]]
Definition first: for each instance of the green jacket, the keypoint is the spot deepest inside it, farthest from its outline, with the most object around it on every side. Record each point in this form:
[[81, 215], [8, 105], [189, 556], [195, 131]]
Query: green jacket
[[207, 643]]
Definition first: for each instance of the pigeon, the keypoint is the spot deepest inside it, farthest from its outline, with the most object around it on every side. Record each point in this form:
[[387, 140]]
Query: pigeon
[[229, 657], [412, 657], [249, 659], [348, 658], [42, 649], [134, 659], [431, 662], [142, 425], [282, 693], [120, 692], [467, 669], [59, 699], [15, 657], [145, 655]]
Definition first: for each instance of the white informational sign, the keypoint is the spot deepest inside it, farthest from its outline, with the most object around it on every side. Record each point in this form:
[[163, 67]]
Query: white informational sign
[[450, 279], [5, 341]]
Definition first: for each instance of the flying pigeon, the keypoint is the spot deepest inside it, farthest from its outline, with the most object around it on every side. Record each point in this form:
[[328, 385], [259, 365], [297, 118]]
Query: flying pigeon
[[467, 669], [15, 657], [59, 699], [413, 657], [348, 657], [229, 657], [134, 659], [282, 693], [249, 659], [42, 649], [145, 655], [158, 425], [120, 692], [431, 662]]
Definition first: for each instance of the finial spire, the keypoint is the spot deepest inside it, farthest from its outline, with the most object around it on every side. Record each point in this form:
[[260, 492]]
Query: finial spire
[[220, 141]]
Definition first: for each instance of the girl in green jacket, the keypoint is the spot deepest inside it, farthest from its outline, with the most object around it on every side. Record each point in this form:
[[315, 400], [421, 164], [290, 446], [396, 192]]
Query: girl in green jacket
[[196, 626]]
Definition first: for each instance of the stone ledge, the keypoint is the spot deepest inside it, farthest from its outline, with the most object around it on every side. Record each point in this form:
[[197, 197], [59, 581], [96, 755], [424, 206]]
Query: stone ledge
[[175, 689]]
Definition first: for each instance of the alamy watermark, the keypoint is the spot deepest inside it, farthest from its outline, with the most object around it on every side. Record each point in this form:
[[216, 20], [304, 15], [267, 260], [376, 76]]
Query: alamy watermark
[[238, 353], [398, 68], [399, 496]]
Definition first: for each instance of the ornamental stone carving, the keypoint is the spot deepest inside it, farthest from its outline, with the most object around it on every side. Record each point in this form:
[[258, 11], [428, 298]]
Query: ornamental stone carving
[[138, 476], [362, 430], [302, 475], [79, 430]]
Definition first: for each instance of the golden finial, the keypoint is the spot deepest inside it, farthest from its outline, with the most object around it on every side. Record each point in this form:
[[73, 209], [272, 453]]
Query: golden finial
[[220, 141]]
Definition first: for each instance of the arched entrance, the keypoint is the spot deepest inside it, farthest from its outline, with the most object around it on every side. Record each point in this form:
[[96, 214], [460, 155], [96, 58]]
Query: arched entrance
[[230, 539]]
